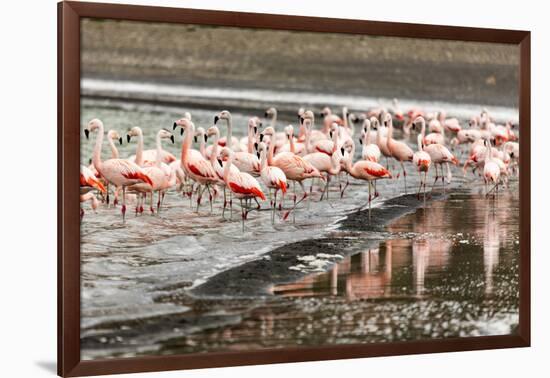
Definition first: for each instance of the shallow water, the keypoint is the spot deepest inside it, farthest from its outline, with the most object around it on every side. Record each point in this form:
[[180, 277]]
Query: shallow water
[[137, 276]]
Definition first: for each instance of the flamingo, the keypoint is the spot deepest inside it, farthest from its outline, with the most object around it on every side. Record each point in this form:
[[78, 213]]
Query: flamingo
[[381, 140], [491, 170], [242, 184], [194, 164], [370, 151], [307, 119], [422, 161], [90, 196], [160, 174], [200, 137], [233, 142], [273, 178], [365, 170], [439, 154], [328, 146], [329, 165], [294, 167], [329, 119], [399, 150], [120, 172], [214, 132], [247, 161], [88, 180]]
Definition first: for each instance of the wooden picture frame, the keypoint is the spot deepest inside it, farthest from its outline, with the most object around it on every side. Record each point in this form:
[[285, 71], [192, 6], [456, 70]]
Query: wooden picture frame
[[69, 15]]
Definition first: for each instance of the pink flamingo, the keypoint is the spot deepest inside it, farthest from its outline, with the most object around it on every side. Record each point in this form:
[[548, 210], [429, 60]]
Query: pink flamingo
[[329, 119], [194, 164], [328, 146], [274, 179], [294, 167], [214, 132], [422, 162], [247, 161], [370, 151], [329, 165], [399, 150], [160, 174], [88, 180], [119, 172], [365, 170], [90, 196], [242, 184], [491, 170], [439, 154], [381, 140], [234, 142]]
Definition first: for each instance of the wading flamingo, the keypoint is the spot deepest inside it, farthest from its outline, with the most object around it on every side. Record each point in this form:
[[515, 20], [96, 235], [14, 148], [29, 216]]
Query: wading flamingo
[[234, 142], [422, 162], [399, 150], [491, 170], [370, 151], [119, 172], [273, 178], [194, 164], [242, 184]]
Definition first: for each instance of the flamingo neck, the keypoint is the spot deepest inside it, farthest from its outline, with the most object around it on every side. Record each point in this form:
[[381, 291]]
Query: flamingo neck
[[186, 144], [202, 146], [139, 150], [250, 145], [271, 149], [308, 136], [335, 164], [419, 140], [291, 141], [159, 151], [273, 120], [96, 157], [345, 117], [214, 152], [263, 160], [114, 150], [229, 141], [226, 168], [350, 168]]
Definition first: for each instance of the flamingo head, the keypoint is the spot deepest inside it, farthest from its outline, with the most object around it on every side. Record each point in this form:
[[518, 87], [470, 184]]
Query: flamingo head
[[113, 135], [325, 112], [224, 114], [134, 131], [211, 131], [165, 134], [200, 133], [93, 125], [184, 123], [271, 112], [289, 131], [253, 125], [268, 131], [225, 154], [374, 123]]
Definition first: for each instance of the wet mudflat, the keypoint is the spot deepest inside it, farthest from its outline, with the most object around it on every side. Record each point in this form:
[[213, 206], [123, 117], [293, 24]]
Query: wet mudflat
[[446, 269]]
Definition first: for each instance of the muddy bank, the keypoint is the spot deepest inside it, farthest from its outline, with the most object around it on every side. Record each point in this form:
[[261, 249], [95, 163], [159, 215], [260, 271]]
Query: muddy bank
[[450, 71], [257, 277]]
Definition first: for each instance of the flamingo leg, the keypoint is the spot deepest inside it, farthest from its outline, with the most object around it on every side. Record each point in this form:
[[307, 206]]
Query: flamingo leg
[[436, 177], [370, 198], [242, 214], [404, 175], [151, 204], [224, 201], [123, 209]]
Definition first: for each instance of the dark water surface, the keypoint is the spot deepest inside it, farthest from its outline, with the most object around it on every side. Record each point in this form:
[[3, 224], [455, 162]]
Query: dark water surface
[[449, 269]]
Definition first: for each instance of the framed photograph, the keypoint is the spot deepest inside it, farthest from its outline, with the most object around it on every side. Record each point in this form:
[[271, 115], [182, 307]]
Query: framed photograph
[[263, 188]]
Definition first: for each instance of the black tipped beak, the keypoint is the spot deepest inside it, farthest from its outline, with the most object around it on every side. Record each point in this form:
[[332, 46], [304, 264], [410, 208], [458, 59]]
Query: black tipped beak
[[128, 138], [261, 137], [301, 120], [181, 131], [260, 124], [220, 162], [216, 118], [172, 139], [360, 141], [258, 154], [342, 151], [256, 146], [205, 138], [330, 134], [265, 114], [512, 155], [321, 115], [87, 133], [175, 125], [195, 138], [255, 129], [120, 140]]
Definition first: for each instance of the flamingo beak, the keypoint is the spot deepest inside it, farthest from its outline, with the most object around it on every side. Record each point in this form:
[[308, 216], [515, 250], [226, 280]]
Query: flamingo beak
[[128, 138], [181, 131], [256, 146], [220, 162], [330, 133], [120, 140], [261, 137], [172, 139], [175, 125], [205, 138], [266, 115], [87, 133], [258, 154], [255, 129], [342, 151], [195, 138], [361, 141], [216, 119], [301, 120]]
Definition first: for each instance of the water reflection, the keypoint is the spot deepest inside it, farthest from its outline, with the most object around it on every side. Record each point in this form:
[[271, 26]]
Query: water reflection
[[449, 244]]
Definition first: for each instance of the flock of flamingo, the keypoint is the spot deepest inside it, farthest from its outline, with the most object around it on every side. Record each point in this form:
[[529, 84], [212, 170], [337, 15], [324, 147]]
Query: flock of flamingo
[[265, 161]]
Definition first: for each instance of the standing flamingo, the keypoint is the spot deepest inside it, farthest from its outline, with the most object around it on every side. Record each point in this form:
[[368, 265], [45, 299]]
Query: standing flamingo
[[274, 179], [194, 164], [370, 151], [491, 170], [242, 184], [229, 141], [399, 150], [120, 172], [365, 170], [422, 162]]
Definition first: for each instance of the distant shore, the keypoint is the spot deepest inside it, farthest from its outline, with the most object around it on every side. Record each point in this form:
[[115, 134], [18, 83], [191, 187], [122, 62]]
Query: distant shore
[[428, 70]]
